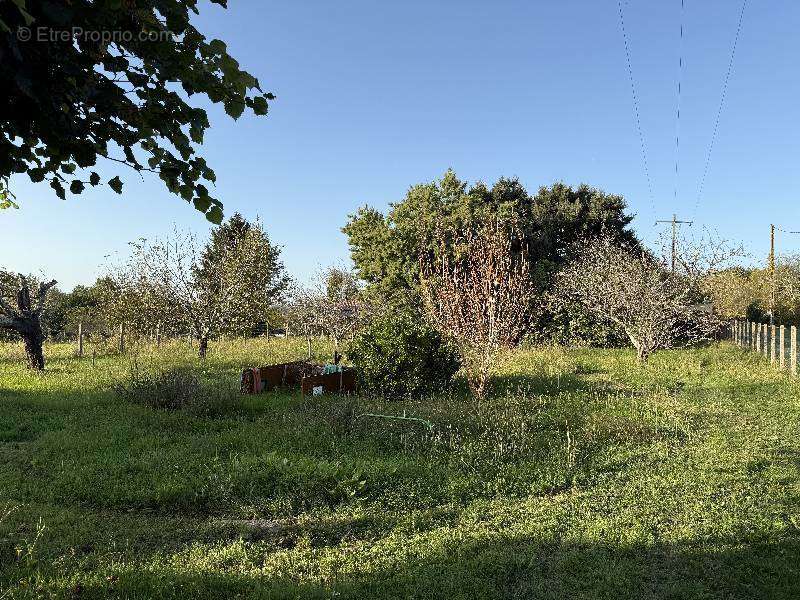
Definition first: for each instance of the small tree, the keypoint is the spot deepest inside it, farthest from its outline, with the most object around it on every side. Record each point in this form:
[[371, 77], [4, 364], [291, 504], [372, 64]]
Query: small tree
[[24, 316], [240, 256], [631, 287], [332, 305], [180, 284], [479, 296]]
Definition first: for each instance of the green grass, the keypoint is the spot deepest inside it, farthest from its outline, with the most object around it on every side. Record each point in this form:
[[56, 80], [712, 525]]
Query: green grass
[[586, 476]]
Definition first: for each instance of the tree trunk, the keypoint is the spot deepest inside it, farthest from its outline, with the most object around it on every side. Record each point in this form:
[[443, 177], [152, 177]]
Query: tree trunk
[[642, 353], [203, 350], [478, 384], [33, 348], [25, 319]]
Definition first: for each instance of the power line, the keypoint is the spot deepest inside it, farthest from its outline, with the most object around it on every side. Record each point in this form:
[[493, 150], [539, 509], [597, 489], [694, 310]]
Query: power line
[[678, 109], [636, 106], [719, 110]]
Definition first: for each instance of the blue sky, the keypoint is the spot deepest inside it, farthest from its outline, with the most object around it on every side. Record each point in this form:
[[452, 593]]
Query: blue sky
[[376, 96]]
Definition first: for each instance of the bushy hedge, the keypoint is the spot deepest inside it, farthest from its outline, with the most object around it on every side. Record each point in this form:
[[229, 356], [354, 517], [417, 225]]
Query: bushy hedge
[[399, 356]]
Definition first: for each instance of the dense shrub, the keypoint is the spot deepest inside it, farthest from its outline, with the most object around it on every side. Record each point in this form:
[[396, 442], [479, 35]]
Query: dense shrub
[[175, 389], [398, 355], [569, 324]]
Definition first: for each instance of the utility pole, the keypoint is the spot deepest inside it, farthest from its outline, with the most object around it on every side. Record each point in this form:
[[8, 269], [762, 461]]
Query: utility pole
[[772, 273], [773, 292], [675, 222]]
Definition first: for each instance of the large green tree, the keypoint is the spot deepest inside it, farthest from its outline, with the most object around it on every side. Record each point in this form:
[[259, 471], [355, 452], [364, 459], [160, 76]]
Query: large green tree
[[386, 249], [244, 251], [92, 80]]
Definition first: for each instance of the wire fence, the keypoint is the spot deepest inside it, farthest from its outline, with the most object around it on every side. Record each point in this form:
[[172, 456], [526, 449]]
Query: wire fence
[[778, 343]]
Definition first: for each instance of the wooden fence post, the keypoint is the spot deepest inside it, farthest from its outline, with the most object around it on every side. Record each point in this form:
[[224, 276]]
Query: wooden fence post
[[121, 338], [764, 339], [80, 339], [768, 339], [773, 344], [782, 345], [793, 350], [757, 340], [753, 336]]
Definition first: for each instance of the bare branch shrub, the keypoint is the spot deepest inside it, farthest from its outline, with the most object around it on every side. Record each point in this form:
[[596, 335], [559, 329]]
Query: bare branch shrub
[[633, 288], [477, 291], [331, 305]]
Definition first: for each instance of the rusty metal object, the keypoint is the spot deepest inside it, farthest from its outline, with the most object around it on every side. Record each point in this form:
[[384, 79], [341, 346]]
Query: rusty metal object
[[343, 382], [307, 377]]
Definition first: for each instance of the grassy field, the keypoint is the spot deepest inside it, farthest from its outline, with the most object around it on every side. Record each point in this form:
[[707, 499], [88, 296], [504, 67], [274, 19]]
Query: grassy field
[[587, 476]]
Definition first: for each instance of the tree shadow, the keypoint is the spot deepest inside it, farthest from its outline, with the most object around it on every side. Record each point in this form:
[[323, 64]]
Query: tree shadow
[[520, 383], [502, 567]]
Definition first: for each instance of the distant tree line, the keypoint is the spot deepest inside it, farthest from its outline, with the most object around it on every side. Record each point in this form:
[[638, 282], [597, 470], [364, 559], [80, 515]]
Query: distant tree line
[[747, 292], [232, 284]]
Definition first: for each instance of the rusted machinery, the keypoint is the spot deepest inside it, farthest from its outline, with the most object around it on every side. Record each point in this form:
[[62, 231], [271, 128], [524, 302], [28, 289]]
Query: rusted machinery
[[309, 378]]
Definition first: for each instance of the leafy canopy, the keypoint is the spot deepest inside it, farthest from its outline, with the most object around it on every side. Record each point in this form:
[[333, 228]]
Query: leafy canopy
[[117, 89], [386, 249]]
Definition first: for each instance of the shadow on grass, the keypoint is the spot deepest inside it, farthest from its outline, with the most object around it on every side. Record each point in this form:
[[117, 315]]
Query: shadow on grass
[[520, 567], [503, 385]]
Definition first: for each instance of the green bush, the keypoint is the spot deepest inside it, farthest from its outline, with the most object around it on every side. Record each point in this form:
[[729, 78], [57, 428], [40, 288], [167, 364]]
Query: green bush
[[570, 324], [398, 356]]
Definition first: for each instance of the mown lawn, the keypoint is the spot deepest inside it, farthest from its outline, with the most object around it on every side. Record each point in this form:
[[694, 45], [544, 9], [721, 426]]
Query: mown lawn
[[587, 476]]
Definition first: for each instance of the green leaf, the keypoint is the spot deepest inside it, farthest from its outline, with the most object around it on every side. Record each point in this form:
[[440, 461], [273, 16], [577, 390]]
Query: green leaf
[[6, 202], [186, 191], [196, 133], [260, 106], [76, 187], [94, 178], [202, 204], [115, 184], [59, 189], [215, 215], [27, 16], [218, 46], [234, 107]]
